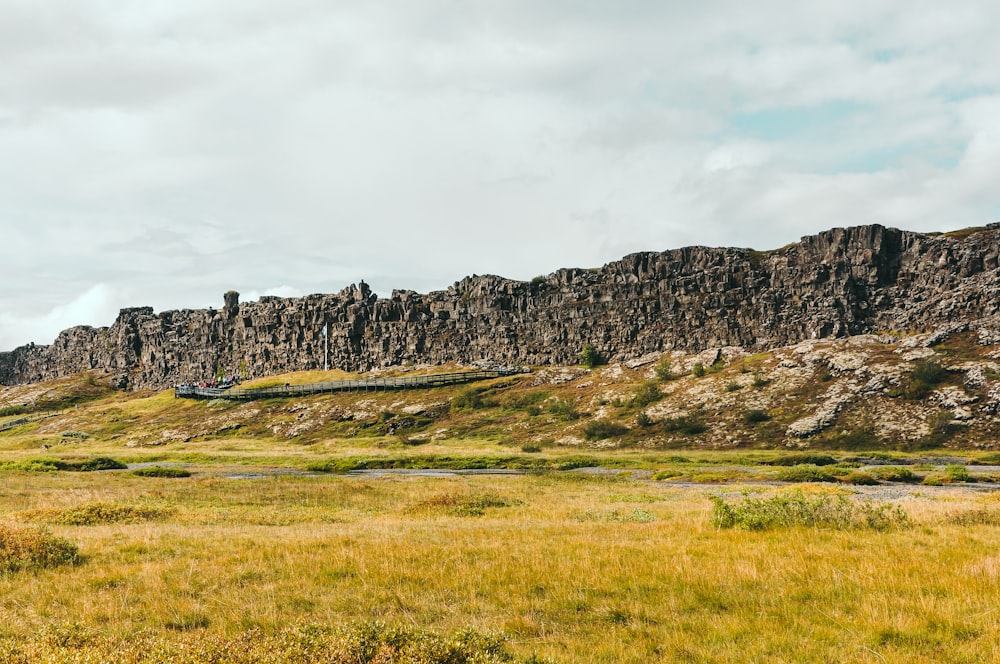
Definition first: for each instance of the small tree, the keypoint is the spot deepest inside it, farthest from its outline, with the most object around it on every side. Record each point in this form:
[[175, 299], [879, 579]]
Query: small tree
[[664, 369], [698, 370], [589, 357]]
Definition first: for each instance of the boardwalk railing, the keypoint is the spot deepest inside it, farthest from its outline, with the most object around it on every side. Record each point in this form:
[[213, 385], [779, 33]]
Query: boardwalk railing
[[358, 385]]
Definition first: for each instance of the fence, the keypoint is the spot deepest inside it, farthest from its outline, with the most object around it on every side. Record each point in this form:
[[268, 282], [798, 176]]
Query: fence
[[358, 385]]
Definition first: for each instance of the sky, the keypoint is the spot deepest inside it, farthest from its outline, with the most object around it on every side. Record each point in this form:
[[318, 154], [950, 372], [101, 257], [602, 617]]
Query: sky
[[160, 153]]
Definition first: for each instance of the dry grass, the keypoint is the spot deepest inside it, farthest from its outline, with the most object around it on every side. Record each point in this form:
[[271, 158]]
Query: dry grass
[[563, 565], [569, 566]]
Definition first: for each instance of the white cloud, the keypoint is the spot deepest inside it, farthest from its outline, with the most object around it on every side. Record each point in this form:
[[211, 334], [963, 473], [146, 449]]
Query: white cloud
[[98, 306], [174, 151]]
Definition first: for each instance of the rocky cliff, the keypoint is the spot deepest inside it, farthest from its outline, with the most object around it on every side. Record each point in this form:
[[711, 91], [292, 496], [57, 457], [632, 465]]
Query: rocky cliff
[[842, 282]]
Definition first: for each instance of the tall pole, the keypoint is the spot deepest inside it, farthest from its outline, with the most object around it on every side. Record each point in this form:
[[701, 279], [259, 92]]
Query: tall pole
[[326, 349]]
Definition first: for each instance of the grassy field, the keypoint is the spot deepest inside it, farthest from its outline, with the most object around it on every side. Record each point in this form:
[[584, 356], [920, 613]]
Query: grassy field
[[567, 566], [265, 547]]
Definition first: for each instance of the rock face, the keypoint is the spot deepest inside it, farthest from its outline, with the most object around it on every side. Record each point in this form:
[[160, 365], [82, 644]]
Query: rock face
[[842, 282]]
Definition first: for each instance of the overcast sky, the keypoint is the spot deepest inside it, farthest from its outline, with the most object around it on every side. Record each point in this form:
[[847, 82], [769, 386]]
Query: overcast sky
[[162, 152]]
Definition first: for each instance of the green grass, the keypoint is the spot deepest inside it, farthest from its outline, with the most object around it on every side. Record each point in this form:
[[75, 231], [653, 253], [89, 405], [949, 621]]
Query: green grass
[[162, 471], [796, 509]]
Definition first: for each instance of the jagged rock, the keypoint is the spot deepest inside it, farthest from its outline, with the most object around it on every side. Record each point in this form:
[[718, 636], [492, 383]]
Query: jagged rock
[[992, 404], [952, 397], [975, 378], [843, 282], [643, 361], [835, 400], [988, 336]]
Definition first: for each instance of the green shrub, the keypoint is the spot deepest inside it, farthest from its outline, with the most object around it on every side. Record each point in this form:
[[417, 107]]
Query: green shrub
[[929, 371], [96, 463], [523, 400], [531, 448], [804, 473], [646, 394], [755, 416], [50, 464], [688, 424], [957, 473], [858, 477], [643, 419], [75, 434], [894, 474], [564, 409], [795, 509], [589, 357], [7, 411], [698, 370], [471, 398], [664, 369], [601, 429], [860, 439], [33, 548], [759, 380], [801, 459], [733, 386], [924, 377], [161, 471]]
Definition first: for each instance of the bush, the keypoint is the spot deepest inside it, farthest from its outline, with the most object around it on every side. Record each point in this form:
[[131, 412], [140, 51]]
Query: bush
[[589, 357], [91, 514], [801, 459], [97, 463], [957, 473], [698, 370], [859, 478], [471, 398], [795, 509], [601, 429], [523, 400], [690, 425], [664, 369], [563, 409], [51, 464], [924, 377], [759, 380], [643, 419], [929, 371], [33, 548], [755, 416], [804, 473], [646, 394], [733, 386], [14, 410], [161, 471], [894, 474]]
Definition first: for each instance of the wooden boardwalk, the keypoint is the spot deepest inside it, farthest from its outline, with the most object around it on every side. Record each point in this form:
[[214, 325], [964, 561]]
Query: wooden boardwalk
[[358, 385]]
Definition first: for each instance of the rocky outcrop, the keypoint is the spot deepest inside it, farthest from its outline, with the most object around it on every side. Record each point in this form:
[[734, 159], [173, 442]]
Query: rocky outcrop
[[842, 282]]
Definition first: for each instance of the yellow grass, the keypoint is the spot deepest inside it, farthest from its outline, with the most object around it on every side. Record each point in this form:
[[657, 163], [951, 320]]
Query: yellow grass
[[563, 569]]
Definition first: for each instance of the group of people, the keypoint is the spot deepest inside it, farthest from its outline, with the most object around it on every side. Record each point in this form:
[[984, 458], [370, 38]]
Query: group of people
[[222, 383]]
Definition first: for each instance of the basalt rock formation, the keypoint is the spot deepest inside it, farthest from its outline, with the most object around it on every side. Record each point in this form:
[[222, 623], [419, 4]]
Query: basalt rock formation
[[842, 282]]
